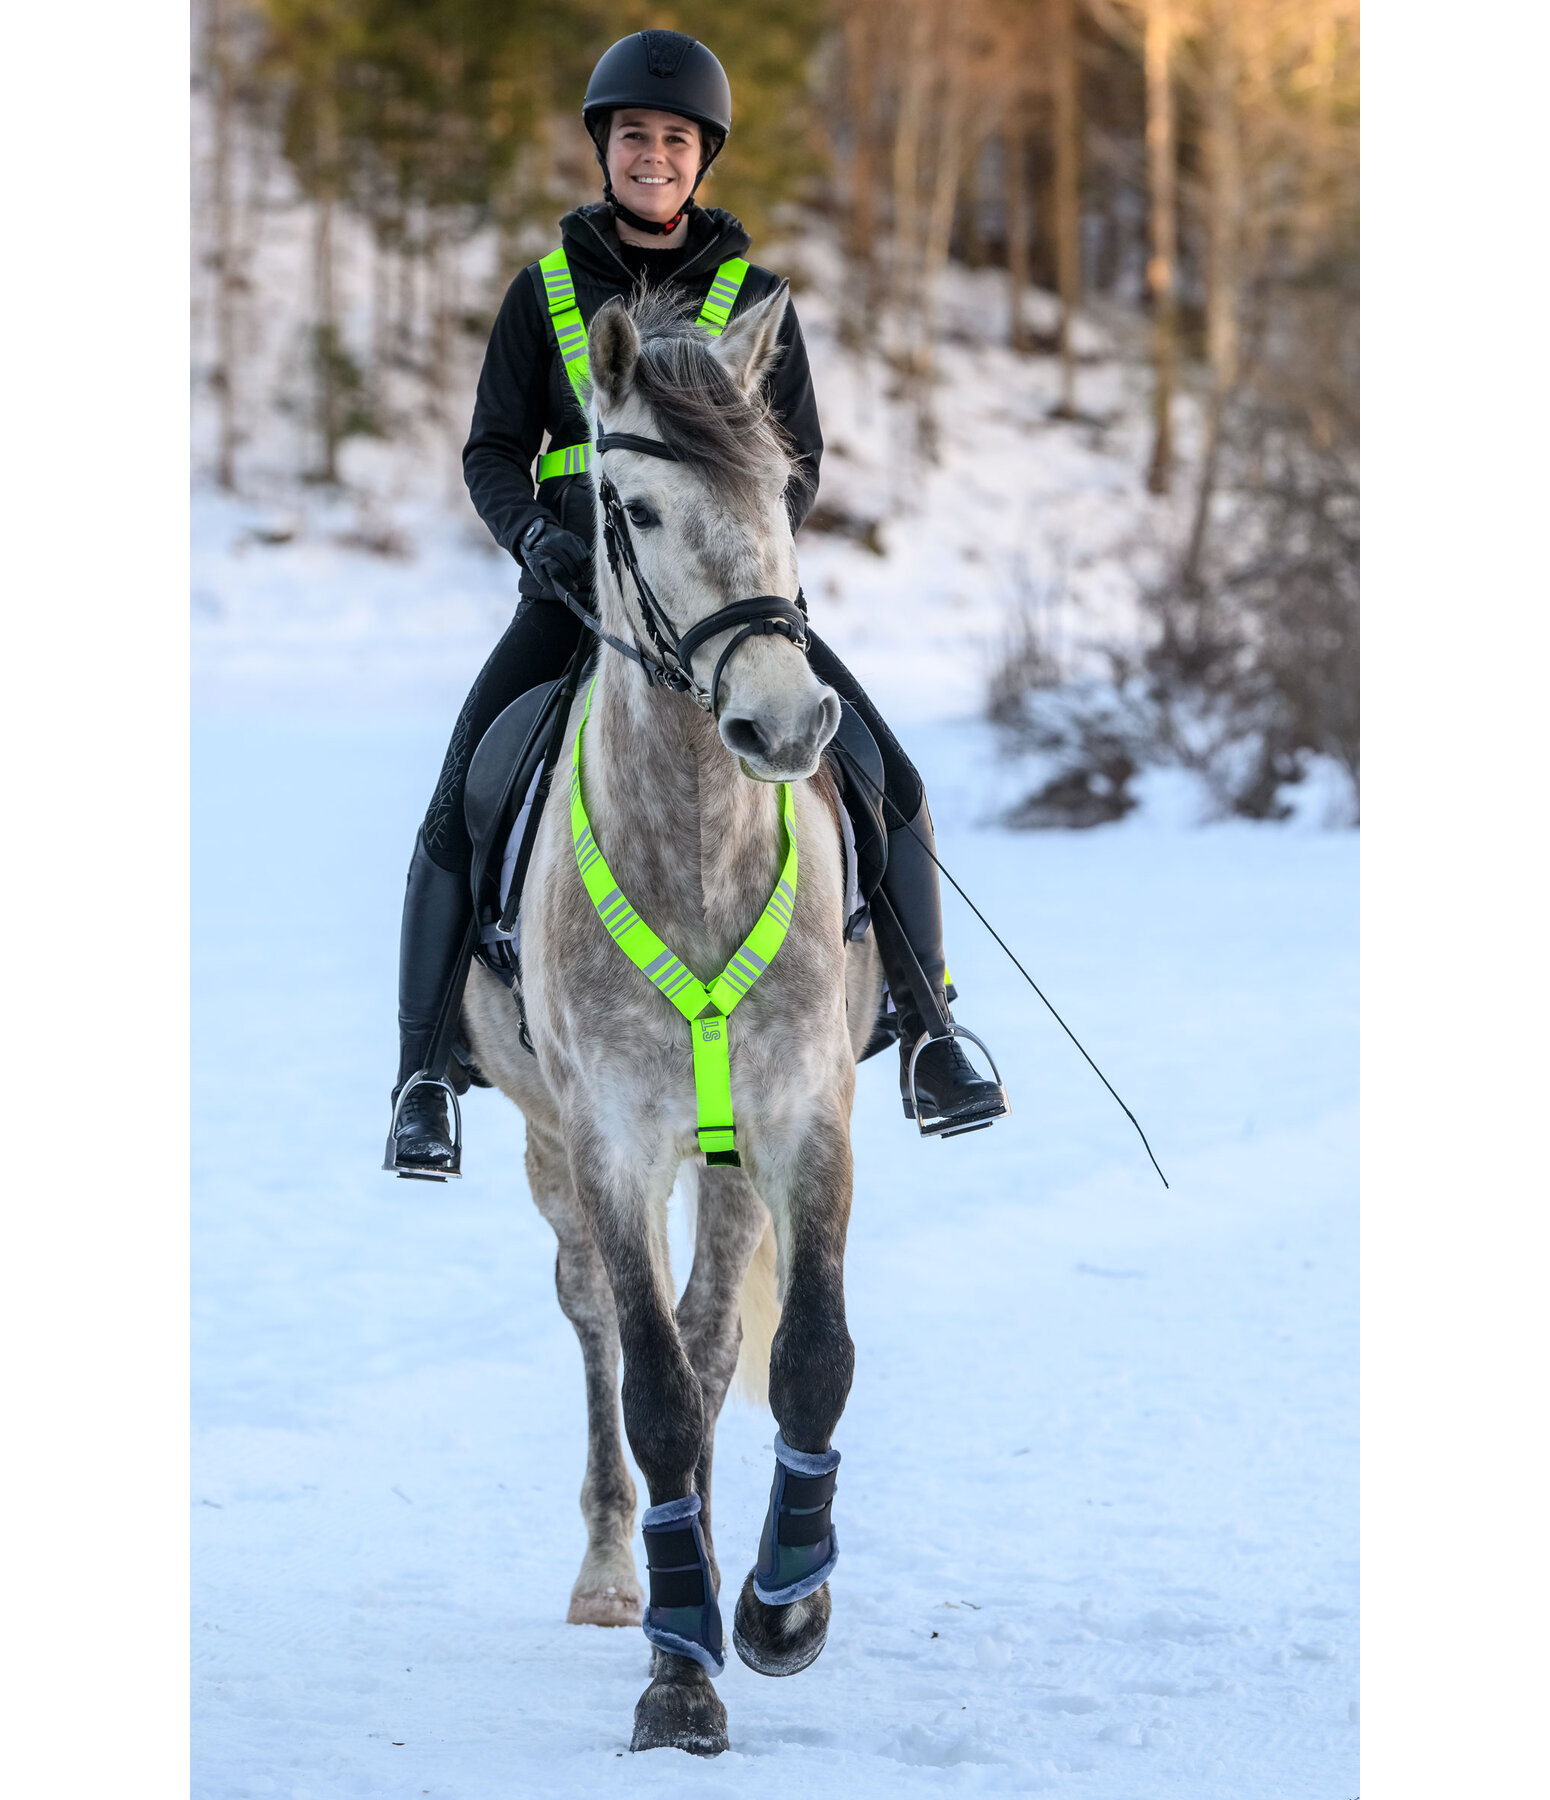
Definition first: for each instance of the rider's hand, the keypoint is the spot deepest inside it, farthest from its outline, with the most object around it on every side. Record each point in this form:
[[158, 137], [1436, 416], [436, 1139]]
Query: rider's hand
[[556, 558]]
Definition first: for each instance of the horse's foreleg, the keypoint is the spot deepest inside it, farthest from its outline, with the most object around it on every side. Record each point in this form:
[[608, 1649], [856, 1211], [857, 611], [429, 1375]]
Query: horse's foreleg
[[729, 1222], [664, 1419], [782, 1616], [606, 1591]]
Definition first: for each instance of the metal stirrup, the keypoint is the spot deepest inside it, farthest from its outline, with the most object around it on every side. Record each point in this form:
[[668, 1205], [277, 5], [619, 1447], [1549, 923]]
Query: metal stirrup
[[946, 1127], [390, 1162]]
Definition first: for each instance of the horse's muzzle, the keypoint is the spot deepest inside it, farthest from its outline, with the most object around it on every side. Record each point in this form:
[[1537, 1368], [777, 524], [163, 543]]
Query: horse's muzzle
[[772, 750]]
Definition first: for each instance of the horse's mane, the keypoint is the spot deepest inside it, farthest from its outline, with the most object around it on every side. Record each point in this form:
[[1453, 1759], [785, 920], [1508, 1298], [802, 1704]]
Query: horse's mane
[[730, 438]]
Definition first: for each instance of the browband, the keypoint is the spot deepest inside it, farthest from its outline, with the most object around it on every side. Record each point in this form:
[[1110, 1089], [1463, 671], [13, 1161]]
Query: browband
[[627, 440]]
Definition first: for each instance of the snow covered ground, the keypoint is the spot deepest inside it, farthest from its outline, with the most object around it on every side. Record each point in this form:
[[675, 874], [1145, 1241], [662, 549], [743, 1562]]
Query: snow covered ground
[[1099, 1488]]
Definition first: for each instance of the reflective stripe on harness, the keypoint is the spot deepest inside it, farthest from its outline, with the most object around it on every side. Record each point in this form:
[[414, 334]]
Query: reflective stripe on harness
[[706, 1008], [722, 296], [569, 332], [571, 336], [574, 459]]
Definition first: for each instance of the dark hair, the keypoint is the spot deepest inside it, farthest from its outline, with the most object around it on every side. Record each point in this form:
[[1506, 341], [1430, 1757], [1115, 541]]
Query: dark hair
[[602, 125]]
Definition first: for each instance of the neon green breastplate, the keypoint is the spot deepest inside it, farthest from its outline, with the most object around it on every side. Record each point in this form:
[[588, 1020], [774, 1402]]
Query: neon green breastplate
[[571, 335], [707, 1009]]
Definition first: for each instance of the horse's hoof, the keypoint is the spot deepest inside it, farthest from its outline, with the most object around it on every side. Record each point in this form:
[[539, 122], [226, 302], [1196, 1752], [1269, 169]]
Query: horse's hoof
[[780, 1640], [680, 1710], [605, 1606]]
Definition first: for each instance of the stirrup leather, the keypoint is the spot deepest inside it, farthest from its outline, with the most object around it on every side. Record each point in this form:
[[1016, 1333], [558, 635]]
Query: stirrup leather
[[404, 1172], [947, 1127]]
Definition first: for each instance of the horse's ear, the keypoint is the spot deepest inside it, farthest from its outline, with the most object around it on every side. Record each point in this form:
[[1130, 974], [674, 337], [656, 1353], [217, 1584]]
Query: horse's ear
[[749, 345], [613, 348]]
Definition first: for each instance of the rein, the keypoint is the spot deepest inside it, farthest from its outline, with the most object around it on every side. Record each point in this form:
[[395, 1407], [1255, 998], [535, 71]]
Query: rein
[[761, 615]]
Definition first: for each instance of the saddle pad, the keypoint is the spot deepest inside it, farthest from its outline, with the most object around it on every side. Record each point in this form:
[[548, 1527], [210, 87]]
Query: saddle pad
[[855, 758], [492, 934]]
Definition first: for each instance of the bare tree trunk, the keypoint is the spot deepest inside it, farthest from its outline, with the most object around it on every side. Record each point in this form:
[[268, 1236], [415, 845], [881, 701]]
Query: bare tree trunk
[[1318, 155], [325, 323], [223, 377], [973, 236], [938, 235], [444, 290], [1224, 202], [908, 130], [860, 102], [381, 319], [944, 190], [444, 268], [1068, 176], [1257, 164], [905, 269], [1161, 154], [861, 60], [1014, 138], [405, 304]]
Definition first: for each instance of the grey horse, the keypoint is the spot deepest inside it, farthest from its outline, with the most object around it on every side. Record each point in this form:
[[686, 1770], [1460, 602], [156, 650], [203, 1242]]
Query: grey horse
[[685, 805]]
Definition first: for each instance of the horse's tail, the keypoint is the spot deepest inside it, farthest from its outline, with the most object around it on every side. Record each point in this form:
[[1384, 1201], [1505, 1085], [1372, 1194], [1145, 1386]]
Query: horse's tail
[[760, 1308]]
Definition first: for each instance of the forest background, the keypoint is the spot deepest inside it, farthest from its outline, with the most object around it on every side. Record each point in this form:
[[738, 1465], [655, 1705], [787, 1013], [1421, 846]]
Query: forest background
[[1165, 185]]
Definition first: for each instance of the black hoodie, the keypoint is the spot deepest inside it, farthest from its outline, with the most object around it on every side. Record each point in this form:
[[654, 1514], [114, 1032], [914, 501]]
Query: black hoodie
[[525, 393]]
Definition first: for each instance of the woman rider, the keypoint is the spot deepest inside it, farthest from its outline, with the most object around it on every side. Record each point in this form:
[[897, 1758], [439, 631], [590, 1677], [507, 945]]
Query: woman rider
[[659, 109]]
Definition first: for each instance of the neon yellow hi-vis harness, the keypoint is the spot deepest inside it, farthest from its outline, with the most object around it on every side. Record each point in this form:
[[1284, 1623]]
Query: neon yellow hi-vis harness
[[706, 1008], [571, 335]]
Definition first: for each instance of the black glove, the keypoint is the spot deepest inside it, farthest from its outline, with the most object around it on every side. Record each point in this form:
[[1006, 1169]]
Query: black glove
[[556, 558]]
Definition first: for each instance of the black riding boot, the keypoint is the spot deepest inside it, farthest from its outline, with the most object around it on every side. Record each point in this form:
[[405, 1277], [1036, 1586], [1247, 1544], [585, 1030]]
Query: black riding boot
[[952, 1096], [432, 957]]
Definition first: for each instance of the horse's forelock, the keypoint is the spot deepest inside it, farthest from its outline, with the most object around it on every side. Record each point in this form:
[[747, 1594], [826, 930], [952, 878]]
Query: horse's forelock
[[729, 438]]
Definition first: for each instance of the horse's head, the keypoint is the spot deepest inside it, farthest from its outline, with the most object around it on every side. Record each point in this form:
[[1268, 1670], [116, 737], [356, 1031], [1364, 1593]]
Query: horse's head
[[708, 520]]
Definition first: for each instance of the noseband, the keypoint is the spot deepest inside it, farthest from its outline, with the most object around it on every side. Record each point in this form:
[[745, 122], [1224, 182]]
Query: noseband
[[763, 615]]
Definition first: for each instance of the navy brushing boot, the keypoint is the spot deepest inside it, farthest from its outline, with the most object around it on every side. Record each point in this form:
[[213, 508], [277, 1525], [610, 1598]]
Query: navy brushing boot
[[782, 1617], [682, 1615]]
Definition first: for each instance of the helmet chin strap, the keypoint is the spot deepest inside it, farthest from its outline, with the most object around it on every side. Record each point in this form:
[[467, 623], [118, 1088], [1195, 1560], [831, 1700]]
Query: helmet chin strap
[[655, 227]]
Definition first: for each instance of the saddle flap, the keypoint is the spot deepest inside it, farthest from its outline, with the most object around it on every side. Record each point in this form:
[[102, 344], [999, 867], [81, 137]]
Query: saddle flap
[[501, 771]]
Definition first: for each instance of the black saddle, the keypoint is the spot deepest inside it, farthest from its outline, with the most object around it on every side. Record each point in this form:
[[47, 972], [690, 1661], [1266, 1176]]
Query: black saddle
[[501, 801]]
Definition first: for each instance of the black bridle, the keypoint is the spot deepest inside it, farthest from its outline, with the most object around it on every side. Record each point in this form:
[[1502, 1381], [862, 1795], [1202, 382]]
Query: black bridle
[[762, 615]]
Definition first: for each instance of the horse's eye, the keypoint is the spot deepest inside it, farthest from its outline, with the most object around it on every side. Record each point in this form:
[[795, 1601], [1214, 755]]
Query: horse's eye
[[641, 514]]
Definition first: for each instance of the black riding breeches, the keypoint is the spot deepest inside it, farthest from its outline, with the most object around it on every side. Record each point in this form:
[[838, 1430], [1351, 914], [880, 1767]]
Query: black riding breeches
[[537, 647]]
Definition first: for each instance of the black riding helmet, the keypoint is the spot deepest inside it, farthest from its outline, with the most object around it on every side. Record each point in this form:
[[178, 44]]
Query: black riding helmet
[[667, 72]]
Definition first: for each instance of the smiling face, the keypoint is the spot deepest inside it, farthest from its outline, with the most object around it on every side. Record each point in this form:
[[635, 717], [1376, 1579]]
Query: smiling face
[[653, 158]]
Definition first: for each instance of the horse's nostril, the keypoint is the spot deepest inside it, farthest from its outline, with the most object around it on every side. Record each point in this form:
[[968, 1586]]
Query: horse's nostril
[[827, 717], [743, 736]]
